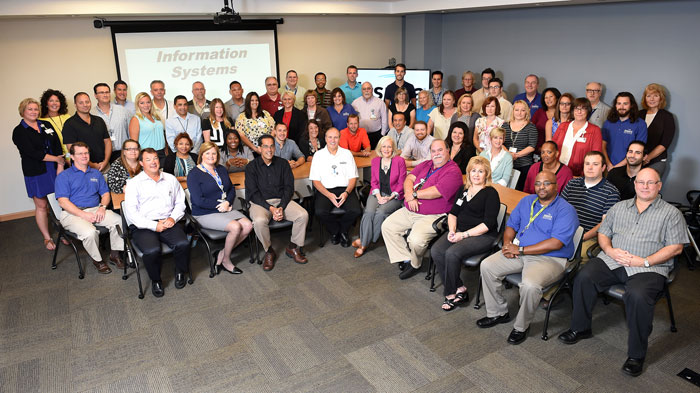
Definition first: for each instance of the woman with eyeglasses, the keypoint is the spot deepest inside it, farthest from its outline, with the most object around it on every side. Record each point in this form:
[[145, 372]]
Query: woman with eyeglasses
[[125, 167], [562, 114], [578, 137]]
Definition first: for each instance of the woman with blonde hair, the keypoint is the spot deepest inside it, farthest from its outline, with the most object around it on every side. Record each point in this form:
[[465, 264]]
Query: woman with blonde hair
[[215, 127], [466, 114], [212, 196], [386, 193], [472, 227], [425, 106], [660, 127], [146, 127], [501, 161], [521, 140]]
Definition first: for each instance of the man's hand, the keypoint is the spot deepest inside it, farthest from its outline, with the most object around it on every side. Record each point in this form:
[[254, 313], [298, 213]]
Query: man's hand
[[101, 166], [160, 227], [341, 199], [168, 223], [293, 164], [510, 250], [413, 205], [619, 255], [89, 217], [365, 153], [277, 213], [100, 214]]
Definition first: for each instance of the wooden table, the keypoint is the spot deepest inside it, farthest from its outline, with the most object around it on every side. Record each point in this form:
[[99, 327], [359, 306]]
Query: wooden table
[[509, 196]]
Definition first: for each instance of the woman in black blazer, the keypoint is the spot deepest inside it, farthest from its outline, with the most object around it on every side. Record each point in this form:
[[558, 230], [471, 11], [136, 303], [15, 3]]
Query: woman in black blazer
[[297, 121], [661, 128], [311, 140], [42, 160]]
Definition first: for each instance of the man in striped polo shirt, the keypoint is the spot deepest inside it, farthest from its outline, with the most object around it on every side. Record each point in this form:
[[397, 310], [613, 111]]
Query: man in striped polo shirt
[[639, 238]]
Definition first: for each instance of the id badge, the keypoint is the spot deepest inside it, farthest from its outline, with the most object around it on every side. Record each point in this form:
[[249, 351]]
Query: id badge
[[582, 140], [459, 202], [513, 149], [516, 241]]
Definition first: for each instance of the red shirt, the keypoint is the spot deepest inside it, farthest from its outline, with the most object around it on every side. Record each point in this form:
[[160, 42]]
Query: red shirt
[[286, 118], [357, 142], [271, 106]]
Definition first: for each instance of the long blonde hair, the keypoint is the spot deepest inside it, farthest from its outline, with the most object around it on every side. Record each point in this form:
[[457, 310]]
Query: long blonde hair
[[138, 112], [212, 116]]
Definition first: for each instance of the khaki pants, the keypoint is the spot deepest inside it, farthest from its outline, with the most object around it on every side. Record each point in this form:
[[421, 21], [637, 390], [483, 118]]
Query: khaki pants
[[293, 212], [90, 236], [394, 228], [538, 271]]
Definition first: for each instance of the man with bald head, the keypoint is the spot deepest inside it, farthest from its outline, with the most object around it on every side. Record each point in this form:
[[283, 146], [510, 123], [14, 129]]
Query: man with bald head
[[429, 192], [271, 101], [639, 238], [372, 112], [537, 242], [199, 105]]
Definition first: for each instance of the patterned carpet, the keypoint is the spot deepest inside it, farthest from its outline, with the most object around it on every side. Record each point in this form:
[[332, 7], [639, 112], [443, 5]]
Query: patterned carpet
[[337, 324]]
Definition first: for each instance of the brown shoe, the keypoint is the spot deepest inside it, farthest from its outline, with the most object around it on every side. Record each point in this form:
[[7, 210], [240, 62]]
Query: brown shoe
[[295, 254], [116, 261], [360, 251], [102, 267], [269, 260], [357, 243]]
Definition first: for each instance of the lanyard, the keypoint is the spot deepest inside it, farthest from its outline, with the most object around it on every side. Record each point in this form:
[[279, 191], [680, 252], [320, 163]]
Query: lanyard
[[532, 218], [425, 179], [219, 183], [187, 120]]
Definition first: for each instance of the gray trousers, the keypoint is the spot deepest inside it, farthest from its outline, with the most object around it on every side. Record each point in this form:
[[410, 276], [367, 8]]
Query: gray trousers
[[538, 271], [373, 217]]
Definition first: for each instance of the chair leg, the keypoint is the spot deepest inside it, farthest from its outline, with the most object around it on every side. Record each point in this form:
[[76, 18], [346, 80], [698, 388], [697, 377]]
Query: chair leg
[[432, 267], [55, 251], [320, 233], [138, 269], [545, 336], [670, 309], [210, 258], [477, 301], [126, 265], [252, 248], [81, 272]]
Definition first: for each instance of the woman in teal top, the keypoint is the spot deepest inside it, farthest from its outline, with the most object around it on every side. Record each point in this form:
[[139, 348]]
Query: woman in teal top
[[425, 106], [146, 126]]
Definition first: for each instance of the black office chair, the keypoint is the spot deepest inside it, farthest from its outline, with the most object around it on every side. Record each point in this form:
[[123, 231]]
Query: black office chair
[[135, 255], [54, 214], [691, 213], [338, 211]]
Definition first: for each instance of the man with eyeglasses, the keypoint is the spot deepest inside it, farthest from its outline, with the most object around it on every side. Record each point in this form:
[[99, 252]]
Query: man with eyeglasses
[[199, 105], [334, 175], [639, 238], [623, 177], [271, 101], [467, 85], [531, 96], [537, 242], [116, 118], [269, 186], [480, 95], [372, 113], [495, 89], [600, 110]]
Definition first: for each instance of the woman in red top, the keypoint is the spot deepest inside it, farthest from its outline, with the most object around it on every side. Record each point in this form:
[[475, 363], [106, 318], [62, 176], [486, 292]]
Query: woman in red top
[[578, 137]]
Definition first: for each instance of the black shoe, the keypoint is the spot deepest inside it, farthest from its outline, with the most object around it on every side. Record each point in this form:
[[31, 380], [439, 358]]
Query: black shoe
[[180, 280], [157, 289], [402, 265], [633, 366], [345, 240], [487, 322], [572, 337], [408, 272], [221, 267], [515, 337], [335, 239]]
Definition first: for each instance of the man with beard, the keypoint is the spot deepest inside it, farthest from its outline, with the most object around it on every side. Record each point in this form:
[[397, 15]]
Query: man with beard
[[623, 177], [323, 95], [199, 105], [622, 127]]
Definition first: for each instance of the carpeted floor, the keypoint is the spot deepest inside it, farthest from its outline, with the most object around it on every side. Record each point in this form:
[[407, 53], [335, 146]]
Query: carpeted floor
[[337, 324]]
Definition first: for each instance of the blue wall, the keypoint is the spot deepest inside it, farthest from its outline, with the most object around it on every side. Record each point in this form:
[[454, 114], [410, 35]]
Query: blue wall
[[625, 46]]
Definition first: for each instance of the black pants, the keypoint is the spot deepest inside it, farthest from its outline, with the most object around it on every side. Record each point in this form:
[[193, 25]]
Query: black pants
[[641, 292], [448, 258], [337, 223], [374, 138], [523, 176], [149, 242]]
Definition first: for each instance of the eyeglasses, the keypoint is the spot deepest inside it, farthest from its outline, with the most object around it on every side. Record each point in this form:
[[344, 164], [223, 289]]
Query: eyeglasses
[[646, 183], [132, 149], [543, 183], [592, 91], [494, 87], [579, 108], [565, 104]]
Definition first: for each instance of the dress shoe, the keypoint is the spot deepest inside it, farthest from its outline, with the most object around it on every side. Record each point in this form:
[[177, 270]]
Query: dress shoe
[[269, 260], [117, 261], [360, 250], [180, 280], [295, 254], [487, 322], [515, 337], [408, 272], [221, 267], [102, 267], [157, 289], [633, 366], [357, 243], [572, 336], [335, 239], [344, 240]]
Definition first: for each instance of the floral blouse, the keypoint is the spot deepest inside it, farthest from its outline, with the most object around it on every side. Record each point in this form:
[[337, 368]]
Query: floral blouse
[[255, 128], [483, 129]]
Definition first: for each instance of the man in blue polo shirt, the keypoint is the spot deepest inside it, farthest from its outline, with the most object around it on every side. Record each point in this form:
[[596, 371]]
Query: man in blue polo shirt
[[531, 95], [83, 194], [622, 127], [537, 242], [390, 91], [352, 88]]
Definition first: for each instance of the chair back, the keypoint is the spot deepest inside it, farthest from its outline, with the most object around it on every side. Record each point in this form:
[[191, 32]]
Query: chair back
[[54, 206], [125, 220], [578, 239], [514, 177], [188, 202]]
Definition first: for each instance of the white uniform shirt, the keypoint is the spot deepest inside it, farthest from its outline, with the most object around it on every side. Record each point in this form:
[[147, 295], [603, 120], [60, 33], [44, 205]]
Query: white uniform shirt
[[333, 170]]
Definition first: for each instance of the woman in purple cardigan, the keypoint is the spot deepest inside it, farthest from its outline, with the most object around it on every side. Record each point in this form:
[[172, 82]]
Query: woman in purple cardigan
[[386, 195]]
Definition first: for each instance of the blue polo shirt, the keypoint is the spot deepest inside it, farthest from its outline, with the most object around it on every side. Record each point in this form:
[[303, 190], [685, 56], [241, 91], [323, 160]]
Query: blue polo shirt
[[390, 91], [558, 220], [618, 136], [350, 93], [340, 120], [534, 105], [83, 189]]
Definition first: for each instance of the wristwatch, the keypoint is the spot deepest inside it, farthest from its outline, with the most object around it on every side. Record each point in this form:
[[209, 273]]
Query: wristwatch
[[646, 263], [101, 205], [521, 249], [415, 194]]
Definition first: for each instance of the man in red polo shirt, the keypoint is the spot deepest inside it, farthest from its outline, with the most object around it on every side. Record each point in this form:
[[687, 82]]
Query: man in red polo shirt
[[355, 138]]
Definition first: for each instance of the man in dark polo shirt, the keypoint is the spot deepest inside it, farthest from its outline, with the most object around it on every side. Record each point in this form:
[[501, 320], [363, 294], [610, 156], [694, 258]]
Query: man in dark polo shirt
[[91, 129], [390, 91], [623, 177]]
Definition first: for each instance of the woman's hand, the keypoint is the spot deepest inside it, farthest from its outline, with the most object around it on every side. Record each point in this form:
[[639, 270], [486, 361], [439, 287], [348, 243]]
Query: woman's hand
[[223, 207]]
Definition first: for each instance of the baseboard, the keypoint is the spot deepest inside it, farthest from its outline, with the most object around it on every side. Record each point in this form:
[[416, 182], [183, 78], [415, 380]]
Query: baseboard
[[16, 216]]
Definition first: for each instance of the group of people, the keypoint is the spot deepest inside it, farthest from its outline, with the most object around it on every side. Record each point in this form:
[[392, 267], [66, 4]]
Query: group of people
[[561, 145]]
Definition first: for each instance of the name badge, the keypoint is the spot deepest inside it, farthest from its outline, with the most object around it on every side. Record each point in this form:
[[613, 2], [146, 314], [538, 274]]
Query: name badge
[[373, 115], [628, 132], [581, 139], [459, 202], [513, 149], [547, 217]]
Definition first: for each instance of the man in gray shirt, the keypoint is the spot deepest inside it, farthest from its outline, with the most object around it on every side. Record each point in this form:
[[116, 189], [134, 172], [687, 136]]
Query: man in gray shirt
[[287, 148], [639, 238], [417, 146], [116, 118], [399, 133], [600, 110], [236, 105]]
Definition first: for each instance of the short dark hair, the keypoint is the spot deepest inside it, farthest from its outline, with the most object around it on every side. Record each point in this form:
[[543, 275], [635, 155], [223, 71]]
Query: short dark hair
[[398, 113], [634, 109], [179, 97], [432, 74], [148, 150], [120, 82], [101, 84], [156, 81], [230, 85], [78, 144], [637, 142], [78, 94], [183, 135], [554, 145], [497, 80], [581, 101], [402, 65], [62, 109], [349, 67], [354, 116], [596, 153], [232, 131], [265, 136], [420, 122], [488, 71], [287, 74], [319, 73]]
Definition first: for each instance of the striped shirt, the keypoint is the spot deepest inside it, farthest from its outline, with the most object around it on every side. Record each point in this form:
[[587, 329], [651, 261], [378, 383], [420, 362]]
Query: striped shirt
[[590, 203], [644, 233], [521, 140]]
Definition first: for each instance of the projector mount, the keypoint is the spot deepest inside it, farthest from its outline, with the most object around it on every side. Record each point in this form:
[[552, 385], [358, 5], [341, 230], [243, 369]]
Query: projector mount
[[227, 15]]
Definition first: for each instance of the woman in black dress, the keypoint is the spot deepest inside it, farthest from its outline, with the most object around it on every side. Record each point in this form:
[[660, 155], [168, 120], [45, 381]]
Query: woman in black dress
[[461, 148], [42, 159]]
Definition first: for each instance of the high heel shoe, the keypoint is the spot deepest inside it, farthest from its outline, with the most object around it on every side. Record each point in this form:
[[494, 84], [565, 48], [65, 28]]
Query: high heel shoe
[[221, 267]]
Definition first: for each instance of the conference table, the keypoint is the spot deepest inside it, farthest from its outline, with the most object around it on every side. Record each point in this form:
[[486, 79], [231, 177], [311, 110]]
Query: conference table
[[302, 184]]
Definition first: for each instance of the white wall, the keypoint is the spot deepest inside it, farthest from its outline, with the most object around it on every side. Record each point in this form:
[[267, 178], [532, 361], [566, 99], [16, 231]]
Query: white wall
[[70, 55]]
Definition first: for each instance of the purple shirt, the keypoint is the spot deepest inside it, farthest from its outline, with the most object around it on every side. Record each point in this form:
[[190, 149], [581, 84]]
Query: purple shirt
[[447, 179]]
